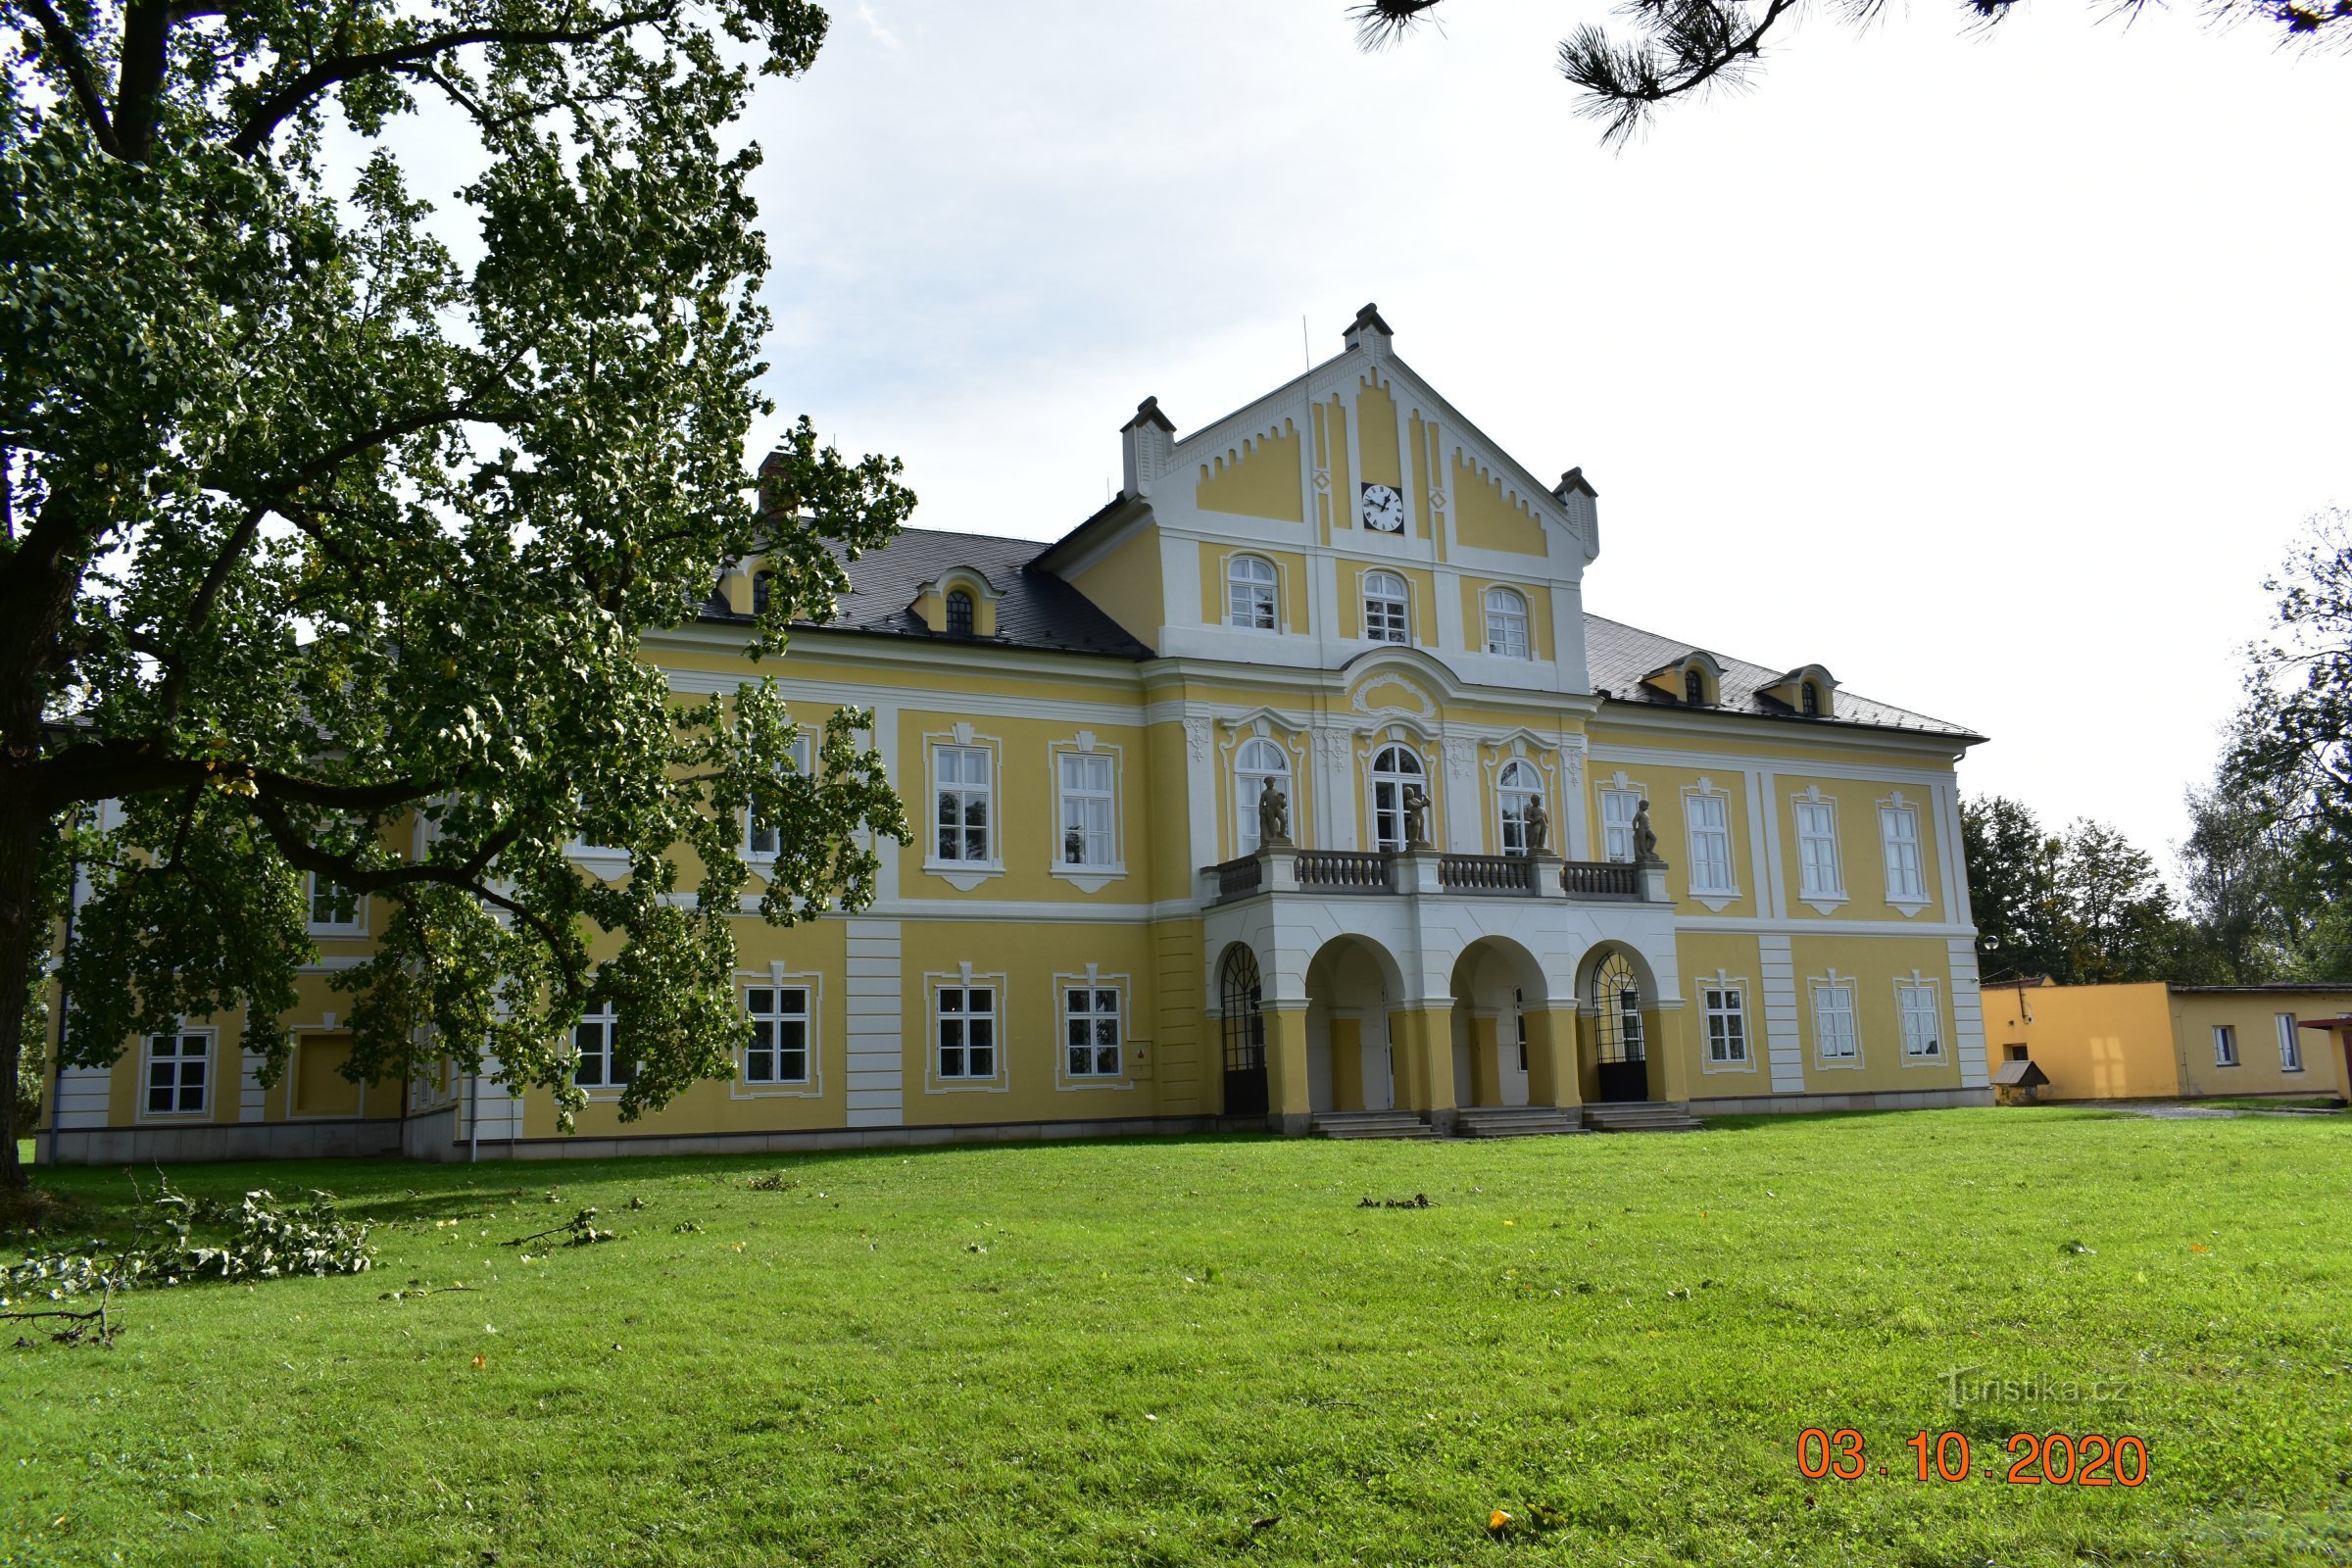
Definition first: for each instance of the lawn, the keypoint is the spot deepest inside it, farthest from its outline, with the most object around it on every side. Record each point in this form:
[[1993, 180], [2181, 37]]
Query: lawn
[[1205, 1352]]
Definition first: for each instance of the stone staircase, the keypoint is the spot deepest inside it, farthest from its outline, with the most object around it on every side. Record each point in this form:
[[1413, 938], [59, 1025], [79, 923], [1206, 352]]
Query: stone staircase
[[1370, 1124], [1640, 1116], [1514, 1121]]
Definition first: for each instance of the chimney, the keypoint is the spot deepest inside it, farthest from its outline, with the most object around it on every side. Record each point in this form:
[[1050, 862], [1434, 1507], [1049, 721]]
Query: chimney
[[1146, 443], [1369, 333]]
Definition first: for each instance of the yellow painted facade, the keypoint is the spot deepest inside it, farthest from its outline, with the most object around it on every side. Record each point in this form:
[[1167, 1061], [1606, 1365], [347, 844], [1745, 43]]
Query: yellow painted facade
[[2157, 1042], [1091, 932]]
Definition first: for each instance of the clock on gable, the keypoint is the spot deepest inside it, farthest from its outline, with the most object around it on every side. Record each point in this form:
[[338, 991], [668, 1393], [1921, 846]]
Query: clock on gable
[[1384, 508]]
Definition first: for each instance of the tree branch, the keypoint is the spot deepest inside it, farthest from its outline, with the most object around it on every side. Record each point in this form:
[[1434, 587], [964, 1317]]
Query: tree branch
[[289, 100], [59, 37]]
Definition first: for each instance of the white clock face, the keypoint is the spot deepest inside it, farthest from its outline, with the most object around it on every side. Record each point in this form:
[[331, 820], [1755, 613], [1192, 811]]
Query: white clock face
[[1384, 508]]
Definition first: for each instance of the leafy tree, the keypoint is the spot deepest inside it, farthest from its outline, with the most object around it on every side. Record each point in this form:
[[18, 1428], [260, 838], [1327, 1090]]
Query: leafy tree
[[327, 555], [2012, 889], [1694, 47], [2117, 915]]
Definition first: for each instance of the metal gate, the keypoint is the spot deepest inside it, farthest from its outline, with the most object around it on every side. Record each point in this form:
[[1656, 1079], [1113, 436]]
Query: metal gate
[[1245, 1035], [1622, 1053]]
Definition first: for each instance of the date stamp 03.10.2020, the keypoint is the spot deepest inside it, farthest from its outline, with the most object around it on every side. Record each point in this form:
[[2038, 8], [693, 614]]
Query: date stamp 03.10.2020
[[2032, 1459]]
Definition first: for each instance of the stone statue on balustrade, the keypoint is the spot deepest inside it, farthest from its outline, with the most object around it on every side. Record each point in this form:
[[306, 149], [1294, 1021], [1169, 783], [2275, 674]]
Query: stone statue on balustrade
[[1416, 818], [1538, 824], [1645, 841], [1273, 815]]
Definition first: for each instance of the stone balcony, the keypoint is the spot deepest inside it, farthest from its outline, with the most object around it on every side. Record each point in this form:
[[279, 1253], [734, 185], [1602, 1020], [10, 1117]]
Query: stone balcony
[[1425, 869]]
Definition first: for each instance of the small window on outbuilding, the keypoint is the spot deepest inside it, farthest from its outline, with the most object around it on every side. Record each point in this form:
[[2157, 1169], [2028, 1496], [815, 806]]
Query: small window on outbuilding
[[959, 613]]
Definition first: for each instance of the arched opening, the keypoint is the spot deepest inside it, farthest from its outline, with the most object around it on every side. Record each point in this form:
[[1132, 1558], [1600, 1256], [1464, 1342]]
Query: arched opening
[[1250, 583], [1394, 769], [1812, 700], [1620, 1040], [1386, 607], [1494, 982], [1506, 625], [1241, 1002], [1351, 985], [1695, 686], [959, 613]]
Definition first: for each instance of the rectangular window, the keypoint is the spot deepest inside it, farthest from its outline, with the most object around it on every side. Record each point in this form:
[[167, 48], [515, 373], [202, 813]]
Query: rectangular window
[[333, 906], [964, 799], [1384, 619], [2290, 1044], [1923, 1021], [1899, 832], [965, 1021], [1090, 1031], [1818, 871], [1086, 835], [1833, 1022], [763, 840], [1617, 808], [2224, 1045], [599, 1062], [179, 1073], [1519, 1020], [1727, 1024], [1710, 824], [779, 1050]]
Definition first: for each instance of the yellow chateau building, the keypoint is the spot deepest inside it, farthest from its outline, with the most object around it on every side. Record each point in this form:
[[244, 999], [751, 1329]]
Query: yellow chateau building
[[1295, 787]]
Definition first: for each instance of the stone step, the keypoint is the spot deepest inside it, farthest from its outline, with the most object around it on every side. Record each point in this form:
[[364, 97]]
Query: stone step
[[1514, 1121], [1371, 1124], [1642, 1116]]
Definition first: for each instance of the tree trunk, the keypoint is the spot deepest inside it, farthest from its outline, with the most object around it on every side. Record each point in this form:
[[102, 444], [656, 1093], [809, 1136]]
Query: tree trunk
[[24, 938]]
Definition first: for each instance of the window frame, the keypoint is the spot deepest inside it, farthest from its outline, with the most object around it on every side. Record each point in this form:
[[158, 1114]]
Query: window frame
[[1108, 795], [804, 762], [1507, 824], [1247, 786], [1609, 830], [1271, 587], [965, 791], [603, 1012], [2225, 1046], [961, 985], [1498, 601], [960, 604], [2290, 1043], [1808, 889], [203, 1060], [1724, 1024], [1067, 988], [1895, 813], [1843, 988], [1396, 607], [776, 984], [1697, 801], [1375, 776], [1917, 995], [354, 926]]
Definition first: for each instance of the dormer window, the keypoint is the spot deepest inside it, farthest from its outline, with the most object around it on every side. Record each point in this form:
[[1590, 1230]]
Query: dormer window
[[1810, 703], [1694, 688], [959, 613], [762, 582]]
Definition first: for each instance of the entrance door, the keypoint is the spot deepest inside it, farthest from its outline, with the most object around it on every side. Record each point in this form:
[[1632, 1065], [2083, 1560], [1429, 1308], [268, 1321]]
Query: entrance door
[[1622, 1054], [1244, 1036]]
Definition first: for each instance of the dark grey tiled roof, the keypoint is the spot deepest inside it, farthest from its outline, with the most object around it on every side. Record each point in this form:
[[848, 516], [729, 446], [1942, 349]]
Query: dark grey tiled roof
[[1620, 656], [1035, 609]]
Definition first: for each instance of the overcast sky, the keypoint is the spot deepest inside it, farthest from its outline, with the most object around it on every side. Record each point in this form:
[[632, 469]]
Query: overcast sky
[[1994, 373]]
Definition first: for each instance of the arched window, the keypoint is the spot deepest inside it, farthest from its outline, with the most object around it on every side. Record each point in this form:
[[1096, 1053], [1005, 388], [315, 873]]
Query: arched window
[[1257, 760], [762, 581], [1517, 787], [1392, 768], [1617, 1012], [1812, 700], [959, 613], [1386, 607], [1506, 623], [1249, 594], [1695, 687], [1244, 1030]]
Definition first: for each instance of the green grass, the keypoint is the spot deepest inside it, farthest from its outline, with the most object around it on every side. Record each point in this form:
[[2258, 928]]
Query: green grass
[[2272, 1103], [1203, 1351]]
